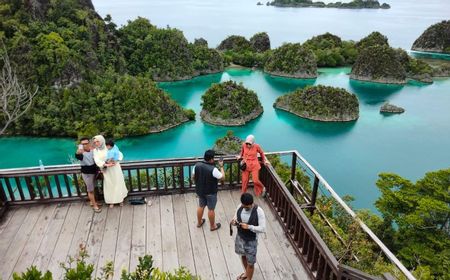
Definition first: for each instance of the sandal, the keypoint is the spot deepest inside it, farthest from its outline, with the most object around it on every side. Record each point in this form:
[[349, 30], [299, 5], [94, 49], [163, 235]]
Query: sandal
[[201, 224], [121, 204], [241, 277], [218, 225], [97, 210]]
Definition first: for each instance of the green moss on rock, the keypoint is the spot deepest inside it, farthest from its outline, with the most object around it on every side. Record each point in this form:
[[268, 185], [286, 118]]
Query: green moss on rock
[[321, 103]]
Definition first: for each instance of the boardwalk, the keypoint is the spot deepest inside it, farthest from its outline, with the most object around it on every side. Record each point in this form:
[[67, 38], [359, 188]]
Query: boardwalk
[[46, 235]]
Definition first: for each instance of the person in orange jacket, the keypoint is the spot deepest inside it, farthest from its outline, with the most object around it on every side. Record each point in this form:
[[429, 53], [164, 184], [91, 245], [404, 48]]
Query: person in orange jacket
[[249, 154]]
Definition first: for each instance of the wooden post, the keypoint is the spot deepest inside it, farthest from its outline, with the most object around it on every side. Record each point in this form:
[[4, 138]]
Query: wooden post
[[312, 205], [294, 166]]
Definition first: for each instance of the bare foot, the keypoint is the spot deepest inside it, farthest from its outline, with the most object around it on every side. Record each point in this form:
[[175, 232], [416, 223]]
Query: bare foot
[[111, 206]]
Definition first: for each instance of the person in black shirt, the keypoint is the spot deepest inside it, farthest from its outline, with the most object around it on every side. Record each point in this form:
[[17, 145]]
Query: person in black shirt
[[206, 177]]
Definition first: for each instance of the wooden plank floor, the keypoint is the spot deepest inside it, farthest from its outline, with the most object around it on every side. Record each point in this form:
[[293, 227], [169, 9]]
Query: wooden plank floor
[[45, 236]]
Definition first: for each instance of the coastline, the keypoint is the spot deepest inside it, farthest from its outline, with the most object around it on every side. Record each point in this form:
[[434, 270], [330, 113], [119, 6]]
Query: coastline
[[206, 117], [312, 118]]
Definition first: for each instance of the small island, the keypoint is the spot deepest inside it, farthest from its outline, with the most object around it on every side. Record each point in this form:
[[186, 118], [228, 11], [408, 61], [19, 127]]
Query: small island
[[230, 104], [293, 61], [355, 4], [391, 109], [435, 38], [321, 103], [380, 63], [228, 145]]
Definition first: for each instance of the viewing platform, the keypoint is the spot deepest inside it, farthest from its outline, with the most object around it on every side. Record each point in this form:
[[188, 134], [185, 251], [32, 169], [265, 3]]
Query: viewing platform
[[45, 217]]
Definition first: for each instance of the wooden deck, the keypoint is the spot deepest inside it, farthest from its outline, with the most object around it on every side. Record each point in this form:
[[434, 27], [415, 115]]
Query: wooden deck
[[46, 235]]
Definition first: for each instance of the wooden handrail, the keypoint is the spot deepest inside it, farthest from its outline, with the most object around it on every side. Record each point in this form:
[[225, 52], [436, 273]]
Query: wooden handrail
[[362, 225]]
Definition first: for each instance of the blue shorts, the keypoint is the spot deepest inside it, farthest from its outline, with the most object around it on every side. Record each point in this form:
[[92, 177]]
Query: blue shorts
[[209, 200]]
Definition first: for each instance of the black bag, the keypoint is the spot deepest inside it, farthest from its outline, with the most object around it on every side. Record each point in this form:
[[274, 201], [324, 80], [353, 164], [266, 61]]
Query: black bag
[[242, 165], [137, 200]]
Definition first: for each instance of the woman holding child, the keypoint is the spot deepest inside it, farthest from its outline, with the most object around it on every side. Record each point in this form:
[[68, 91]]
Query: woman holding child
[[114, 188]]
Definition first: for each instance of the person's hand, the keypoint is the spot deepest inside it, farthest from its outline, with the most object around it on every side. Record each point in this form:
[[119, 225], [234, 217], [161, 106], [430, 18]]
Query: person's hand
[[234, 222], [266, 163], [243, 225], [238, 157]]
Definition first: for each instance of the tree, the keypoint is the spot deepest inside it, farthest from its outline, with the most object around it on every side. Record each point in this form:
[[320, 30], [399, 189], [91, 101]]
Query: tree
[[15, 97], [420, 216]]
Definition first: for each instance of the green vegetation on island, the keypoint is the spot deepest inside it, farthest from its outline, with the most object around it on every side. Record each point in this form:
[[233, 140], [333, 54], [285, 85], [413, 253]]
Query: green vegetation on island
[[355, 4], [228, 145], [435, 38], [230, 104], [165, 54], [321, 103], [292, 60], [378, 62], [117, 105], [86, 70], [331, 51], [248, 53]]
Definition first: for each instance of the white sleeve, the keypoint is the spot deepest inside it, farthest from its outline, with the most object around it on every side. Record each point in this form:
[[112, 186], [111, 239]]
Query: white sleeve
[[261, 228], [193, 171], [99, 162], [217, 174]]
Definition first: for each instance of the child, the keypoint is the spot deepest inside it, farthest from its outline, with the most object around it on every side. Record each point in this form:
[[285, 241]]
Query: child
[[113, 151]]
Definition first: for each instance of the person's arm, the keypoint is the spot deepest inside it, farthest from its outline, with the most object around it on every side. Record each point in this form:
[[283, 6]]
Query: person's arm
[[234, 220], [193, 174], [261, 227], [263, 156], [98, 161], [78, 155], [219, 174], [241, 154]]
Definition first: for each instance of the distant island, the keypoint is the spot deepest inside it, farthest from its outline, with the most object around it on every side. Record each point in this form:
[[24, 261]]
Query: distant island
[[230, 104], [435, 38], [321, 103], [355, 4]]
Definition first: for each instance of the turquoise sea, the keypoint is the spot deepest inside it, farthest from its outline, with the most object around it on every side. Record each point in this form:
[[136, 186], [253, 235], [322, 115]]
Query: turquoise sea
[[348, 155]]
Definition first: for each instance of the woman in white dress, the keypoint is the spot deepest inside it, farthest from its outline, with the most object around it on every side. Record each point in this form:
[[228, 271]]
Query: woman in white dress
[[114, 188]]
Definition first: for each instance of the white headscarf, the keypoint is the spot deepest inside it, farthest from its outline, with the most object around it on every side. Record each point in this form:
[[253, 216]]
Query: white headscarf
[[102, 141], [250, 139]]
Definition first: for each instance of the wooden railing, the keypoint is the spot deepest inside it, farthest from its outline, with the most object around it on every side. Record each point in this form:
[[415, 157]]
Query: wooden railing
[[64, 183]]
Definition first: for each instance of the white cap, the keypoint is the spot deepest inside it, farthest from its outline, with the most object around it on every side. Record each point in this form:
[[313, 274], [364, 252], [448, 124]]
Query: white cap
[[250, 139]]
